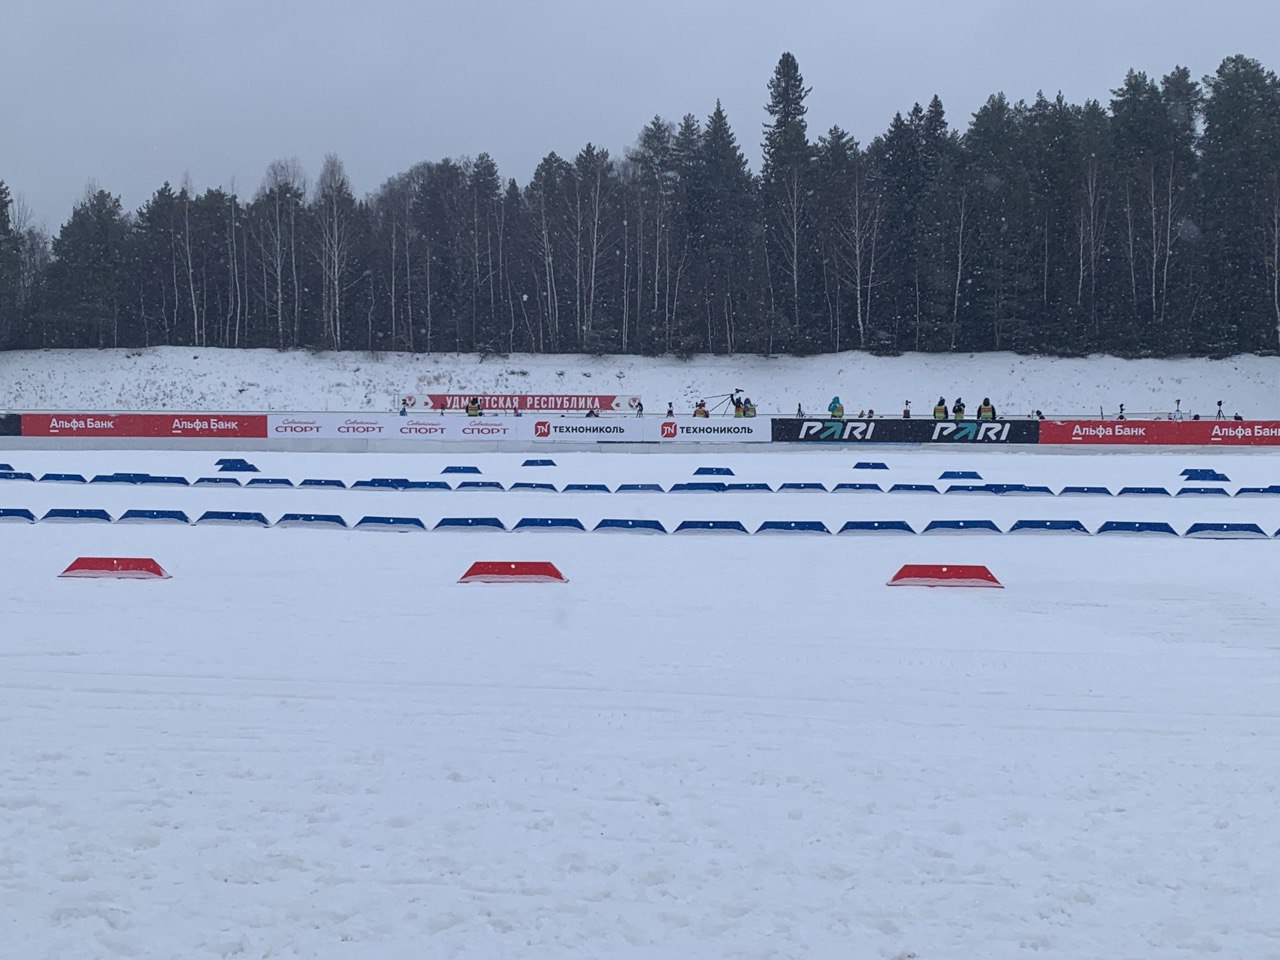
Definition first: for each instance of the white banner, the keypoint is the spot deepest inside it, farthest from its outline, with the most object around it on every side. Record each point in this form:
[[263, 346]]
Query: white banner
[[707, 429], [587, 429], [566, 429], [390, 426]]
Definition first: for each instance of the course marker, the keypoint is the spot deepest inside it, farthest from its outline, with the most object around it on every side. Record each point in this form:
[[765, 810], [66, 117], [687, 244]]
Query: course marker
[[944, 575], [117, 568], [512, 571]]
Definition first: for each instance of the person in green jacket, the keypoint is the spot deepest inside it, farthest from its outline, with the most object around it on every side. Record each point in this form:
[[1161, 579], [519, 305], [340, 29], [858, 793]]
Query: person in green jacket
[[957, 409], [940, 409], [836, 409], [986, 411]]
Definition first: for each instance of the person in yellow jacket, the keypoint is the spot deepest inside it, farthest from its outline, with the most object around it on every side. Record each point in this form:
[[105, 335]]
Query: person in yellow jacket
[[835, 409], [748, 408], [986, 411], [473, 407], [957, 409], [940, 409]]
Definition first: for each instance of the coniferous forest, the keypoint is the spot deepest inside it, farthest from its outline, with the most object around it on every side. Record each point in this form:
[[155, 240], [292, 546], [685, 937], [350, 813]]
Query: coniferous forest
[[1146, 226]]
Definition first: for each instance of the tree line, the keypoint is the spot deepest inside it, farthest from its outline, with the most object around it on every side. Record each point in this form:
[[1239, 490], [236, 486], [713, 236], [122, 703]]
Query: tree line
[[1146, 227]]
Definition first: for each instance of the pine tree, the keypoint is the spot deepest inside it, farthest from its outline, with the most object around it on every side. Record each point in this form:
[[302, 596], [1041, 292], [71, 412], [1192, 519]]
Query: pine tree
[[10, 272]]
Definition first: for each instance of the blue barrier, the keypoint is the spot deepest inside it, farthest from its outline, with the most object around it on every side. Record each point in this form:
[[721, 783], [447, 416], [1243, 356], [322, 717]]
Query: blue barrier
[[961, 526], [713, 472], [470, 523], [1049, 526], [629, 526], [6, 466], [479, 485], [1202, 475], [972, 488], [548, 523], [235, 465], [232, 518], [311, 520], [1225, 531], [804, 487], [61, 514], [876, 526], [913, 488], [1084, 492], [870, 465], [711, 526], [701, 486], [130, 478], [548, 487], [1137, 527], [62, 478], [332, 484], [164, 481], [426, 485], [460, 469], [1271, 491], [153, 516], [640, 488], [217, 481], [15, 475], [792, 526], [747, 488], [1143, 492], [381, 483], [394, 524], [538, 463], [16, 515], [1019, 490], [585, 488], [1202, 492], [960, 475], [857, 488], [270, 482]]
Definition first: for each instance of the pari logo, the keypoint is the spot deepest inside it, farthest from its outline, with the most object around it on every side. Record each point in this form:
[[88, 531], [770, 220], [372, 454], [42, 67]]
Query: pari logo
[[542, 428], [668, 430], [837, 430], [971, 431]]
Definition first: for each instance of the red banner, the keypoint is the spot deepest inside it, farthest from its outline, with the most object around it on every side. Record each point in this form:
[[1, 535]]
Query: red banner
[[144, 425], [1205, 432], [496, 402]]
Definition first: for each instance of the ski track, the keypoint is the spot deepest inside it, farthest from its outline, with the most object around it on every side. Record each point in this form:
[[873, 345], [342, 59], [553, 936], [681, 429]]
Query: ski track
[[317, 744]]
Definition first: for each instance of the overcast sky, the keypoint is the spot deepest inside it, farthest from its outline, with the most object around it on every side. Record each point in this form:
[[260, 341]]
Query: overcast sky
[[130, 94]]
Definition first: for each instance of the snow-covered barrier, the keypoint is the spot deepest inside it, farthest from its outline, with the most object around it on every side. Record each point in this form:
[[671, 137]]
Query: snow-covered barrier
[[316, 520], [154, 516], [1137, 528], [548, 523], [961, 526], [770, 527], [616, 525], [1048, 526], [1225, 531]]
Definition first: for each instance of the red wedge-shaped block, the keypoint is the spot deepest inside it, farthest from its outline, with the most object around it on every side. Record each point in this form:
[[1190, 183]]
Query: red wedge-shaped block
[[944, 575], [119, 568], [512, 571]]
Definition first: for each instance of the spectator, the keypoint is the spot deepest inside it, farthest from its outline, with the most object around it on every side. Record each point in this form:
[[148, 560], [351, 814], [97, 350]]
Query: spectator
[[739, 409], [404, 411], [748, 408], [700, 409], [985, 410], [940, 409], [639, 408], [836, 409], [671, 411], [1236, 416], [799, 412], [473, 408], [1177, 410], [957, 409], [593, 412], [906, 410]]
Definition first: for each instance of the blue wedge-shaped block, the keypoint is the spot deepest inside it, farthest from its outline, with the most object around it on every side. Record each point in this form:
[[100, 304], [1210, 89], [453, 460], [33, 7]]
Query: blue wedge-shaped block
[[960, 475], [711, 526], [311, 520], [870, 465], [803, 487], [65, 515], [1225, 531], [713, 472], [269, 482], [1202, 492], [538, 463], [15, 475], [913, 488], [639, 488], [129, 478], [1271, 491], [235, 465], [470, 523], [613, 524], [972, 488], [1196, 475], [857, 488], [961, 526], [792, 526], [153, 516], [1139, 527], [164, 481], [1084, 492], [381, 483], [492, 486], [217, 482], [1049, 526], [328, 484], [1143, 492], [747, 488], [585, 488], [62, 478], [16, 515], [233, 518], [393, 524], [876, 526], [6, 466], [1019, 490], [426, 485], [548, 523], [544, 487], [460, 469], [699, 486]]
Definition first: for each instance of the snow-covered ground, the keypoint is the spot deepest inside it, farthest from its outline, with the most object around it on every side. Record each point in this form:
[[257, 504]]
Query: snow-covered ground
[[317, 744], [175, 378]]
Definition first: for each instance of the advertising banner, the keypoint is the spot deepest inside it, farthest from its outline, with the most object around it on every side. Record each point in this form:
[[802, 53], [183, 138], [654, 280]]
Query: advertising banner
[[1207, 432], [390, 426], [706, 429], [10, 425], [587, 429], [239, 425], [534, 402], [904, 431]]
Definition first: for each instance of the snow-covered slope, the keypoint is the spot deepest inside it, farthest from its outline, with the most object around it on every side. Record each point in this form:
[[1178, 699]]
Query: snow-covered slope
[[185, 378]]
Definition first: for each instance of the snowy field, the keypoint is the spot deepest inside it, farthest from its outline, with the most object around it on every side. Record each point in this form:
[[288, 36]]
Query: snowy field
[[177, 378], [315, 743]]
